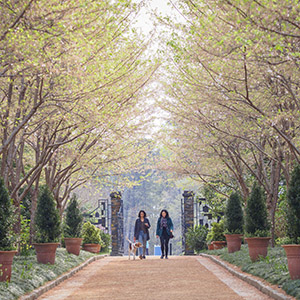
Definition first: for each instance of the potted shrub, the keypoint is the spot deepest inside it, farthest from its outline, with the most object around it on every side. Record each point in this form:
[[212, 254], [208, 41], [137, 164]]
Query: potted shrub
[[7, 249], [257, 227], [91, 238], [292, 249], [72, 227], [234, 223], [218, 237], [47, 223]]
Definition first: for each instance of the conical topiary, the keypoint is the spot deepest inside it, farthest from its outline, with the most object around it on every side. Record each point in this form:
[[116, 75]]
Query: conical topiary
[[293, 214], [6, 219], [47, 218], [234, 218], [74, 219], [256, 221]]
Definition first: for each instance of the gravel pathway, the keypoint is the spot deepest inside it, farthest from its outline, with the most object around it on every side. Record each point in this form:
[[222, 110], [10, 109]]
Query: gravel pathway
[[178, 278]]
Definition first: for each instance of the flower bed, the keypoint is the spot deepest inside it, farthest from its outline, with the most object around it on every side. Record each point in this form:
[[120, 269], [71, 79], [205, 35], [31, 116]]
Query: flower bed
[[273, 268], [28, 275]]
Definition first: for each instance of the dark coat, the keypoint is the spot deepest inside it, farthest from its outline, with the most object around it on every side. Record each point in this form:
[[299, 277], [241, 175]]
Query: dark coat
[[138, 228], [159, 230]]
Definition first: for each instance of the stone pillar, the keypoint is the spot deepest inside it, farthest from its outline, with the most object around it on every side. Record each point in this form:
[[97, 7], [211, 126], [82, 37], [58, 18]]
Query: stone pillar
[[188, 217], [116, 224]]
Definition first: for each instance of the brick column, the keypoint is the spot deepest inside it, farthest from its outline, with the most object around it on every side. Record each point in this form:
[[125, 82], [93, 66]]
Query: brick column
[[188, 217], [116, 208]]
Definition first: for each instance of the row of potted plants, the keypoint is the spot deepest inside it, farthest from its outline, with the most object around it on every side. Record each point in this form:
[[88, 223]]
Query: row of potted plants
[[48, 230], [257, 227]]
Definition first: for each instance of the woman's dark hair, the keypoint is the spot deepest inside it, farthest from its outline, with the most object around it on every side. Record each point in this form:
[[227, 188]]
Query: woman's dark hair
[[145, 215], [164, 210]]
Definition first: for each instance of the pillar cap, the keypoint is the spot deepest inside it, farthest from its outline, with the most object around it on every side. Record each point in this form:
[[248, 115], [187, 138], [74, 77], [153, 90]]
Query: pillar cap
[[116, 195], [188, 194]]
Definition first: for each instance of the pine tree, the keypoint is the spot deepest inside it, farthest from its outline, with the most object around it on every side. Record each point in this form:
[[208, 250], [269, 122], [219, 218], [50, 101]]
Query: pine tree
[[234, 218], [47, 218], [256, 221], [74, 219], [6, 218], [293, 199]]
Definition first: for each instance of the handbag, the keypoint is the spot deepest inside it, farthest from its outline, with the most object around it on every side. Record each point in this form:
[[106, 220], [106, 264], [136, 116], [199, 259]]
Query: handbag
[[171, 235]]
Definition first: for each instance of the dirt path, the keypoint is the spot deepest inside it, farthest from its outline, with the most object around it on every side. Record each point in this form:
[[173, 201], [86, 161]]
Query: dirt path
[[181, 277]]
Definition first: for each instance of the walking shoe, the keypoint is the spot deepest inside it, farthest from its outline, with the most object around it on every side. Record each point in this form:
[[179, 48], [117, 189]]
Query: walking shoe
[[166, 257], [141, 257], [144, 257], [162, 257]]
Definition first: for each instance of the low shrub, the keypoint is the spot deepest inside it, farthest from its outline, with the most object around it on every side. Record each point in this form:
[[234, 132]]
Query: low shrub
[[105, 237], [91, 234], [217, 231], [196, 238]]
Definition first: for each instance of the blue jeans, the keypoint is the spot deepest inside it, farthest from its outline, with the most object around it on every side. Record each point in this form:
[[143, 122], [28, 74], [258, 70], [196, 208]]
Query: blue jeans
[[142, 239]]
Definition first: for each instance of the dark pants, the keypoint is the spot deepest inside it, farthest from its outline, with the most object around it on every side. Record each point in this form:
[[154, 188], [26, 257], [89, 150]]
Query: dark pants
[[164, 244]]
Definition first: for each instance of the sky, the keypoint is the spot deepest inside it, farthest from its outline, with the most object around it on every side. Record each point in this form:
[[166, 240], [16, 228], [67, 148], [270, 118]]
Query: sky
[[144, 21]]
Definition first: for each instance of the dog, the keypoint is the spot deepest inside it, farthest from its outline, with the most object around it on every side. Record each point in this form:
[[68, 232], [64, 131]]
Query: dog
[[132, 248]]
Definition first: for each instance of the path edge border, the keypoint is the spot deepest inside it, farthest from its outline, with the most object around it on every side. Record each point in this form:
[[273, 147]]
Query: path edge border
[[50, 285], [254, 282]]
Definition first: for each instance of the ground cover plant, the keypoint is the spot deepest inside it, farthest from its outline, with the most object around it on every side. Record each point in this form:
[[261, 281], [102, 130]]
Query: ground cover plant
[[28, 275], [273, 268]]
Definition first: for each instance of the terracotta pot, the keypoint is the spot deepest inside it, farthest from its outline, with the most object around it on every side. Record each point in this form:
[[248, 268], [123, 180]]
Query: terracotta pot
[[234, 242], [45, 252], [258, 246], [293, 257], [219, 244], [73, 245], [6, 260], [210, 246], [94, 248]]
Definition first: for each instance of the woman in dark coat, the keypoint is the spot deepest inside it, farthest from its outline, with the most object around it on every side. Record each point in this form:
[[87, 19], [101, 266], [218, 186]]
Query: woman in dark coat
[[141, 232], [164, 230]]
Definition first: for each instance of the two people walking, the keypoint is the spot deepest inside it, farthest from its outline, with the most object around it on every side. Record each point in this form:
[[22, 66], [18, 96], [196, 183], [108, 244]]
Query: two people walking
[[164, 231]]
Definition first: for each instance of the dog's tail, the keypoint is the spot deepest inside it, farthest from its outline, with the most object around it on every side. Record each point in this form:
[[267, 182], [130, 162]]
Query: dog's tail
[[130, 243]]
